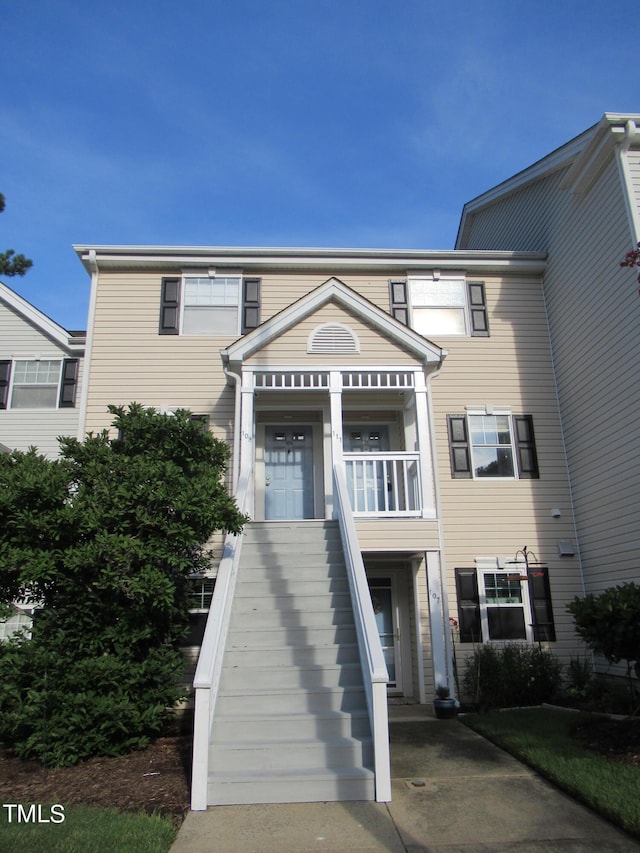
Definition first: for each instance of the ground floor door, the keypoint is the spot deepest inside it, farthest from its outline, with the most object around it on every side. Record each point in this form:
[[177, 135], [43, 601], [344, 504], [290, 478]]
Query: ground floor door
[[385, 608], [288, 469]]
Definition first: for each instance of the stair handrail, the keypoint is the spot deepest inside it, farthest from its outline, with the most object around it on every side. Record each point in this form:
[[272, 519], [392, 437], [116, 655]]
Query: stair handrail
[[206, 681], [374, 668]]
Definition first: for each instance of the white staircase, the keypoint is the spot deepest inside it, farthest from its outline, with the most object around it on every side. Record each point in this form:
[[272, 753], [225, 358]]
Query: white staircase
[[291, 722]]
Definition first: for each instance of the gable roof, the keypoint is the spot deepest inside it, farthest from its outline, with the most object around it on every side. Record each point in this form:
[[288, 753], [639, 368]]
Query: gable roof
[[585, 155], [333, 290], [71, 341]]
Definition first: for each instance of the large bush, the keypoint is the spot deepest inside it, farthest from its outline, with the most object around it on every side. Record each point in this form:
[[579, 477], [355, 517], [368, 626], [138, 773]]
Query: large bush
[[104, 539], [511, 676], [610, 623]]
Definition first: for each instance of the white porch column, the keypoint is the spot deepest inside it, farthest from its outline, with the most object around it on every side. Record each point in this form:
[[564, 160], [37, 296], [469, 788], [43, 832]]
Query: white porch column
[[424, 446], [247, 431], [439, 632], [335, 398]]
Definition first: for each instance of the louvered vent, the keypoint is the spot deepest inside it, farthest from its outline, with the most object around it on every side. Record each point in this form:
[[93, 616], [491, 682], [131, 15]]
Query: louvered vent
[[332, 338]]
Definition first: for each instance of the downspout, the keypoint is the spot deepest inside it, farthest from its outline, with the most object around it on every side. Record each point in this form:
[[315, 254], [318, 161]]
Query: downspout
[[84, 394], [631, 136], [236, 378], [443, 574]]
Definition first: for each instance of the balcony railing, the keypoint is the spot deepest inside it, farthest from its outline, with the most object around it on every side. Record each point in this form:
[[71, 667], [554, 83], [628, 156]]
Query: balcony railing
[[383, 484]]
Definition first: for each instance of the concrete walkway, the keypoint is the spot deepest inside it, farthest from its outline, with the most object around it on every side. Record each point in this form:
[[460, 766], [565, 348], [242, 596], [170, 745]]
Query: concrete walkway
[[452, 791]]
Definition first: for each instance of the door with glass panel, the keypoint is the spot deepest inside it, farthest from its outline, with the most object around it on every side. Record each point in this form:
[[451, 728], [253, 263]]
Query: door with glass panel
[[385, 609], [288, 469]]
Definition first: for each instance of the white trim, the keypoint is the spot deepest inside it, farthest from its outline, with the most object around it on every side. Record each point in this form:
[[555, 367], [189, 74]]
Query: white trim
[[332, 290], [45, 324]]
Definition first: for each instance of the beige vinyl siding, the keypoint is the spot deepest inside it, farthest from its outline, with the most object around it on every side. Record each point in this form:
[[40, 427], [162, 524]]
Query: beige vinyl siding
[[291, 347], [130, 361], [633, 161], [279, 290], [490, 518], [398, 534], [595, 315], [21, 429], [520, 221]]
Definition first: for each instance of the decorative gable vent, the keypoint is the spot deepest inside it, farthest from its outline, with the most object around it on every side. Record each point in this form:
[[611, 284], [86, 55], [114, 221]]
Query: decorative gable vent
[[333, 338]]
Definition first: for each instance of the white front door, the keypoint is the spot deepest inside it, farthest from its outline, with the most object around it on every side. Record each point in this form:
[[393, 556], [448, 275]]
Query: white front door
[[385, 609], [288, 470]]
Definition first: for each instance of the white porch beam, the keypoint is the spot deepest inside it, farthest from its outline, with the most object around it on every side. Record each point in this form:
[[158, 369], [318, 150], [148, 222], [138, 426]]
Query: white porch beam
[[335, 410], [424, 446], [247, 431]]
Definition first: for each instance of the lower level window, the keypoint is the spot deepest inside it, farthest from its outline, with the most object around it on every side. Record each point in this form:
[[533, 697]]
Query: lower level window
[[504, 603], [36, 384]]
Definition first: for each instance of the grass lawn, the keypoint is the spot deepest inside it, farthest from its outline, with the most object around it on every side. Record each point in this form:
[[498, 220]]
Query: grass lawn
[[542, 739], [85, 830]]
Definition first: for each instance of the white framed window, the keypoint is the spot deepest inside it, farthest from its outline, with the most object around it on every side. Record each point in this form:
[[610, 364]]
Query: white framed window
[[36, 384], [209, 305], [492, 446], [502, 600], [440, 306]]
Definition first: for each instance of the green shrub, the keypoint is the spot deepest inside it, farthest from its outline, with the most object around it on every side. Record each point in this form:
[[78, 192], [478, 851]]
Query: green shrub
[[511, 676]]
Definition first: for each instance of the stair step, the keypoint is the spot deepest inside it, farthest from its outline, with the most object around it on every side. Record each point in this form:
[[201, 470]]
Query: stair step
[[249, 637], [262, 588], [291, 618], [309, 754], [322, 601], [292, 677], [242, 728], [311, 787], [289, 656], [307, 699]]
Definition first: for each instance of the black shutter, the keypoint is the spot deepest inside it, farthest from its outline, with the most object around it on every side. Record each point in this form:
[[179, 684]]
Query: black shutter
[[250, 304], [525, 447], [459, 447], [478, 309], [540, 593], [69, 383], [5, 376], [468, 606], [170, 307], [398, 299]]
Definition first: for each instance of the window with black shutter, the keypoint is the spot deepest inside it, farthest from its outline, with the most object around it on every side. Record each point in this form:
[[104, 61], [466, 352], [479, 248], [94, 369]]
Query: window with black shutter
[[5, 376], [468, 606], [170, 307], [399, 300], [69, 383], [250, 304], [459, 446], [478, 309]]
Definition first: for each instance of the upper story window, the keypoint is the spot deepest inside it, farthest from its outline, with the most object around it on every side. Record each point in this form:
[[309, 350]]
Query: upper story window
[[209, 305], [439, 306], [487, 445], [38, 383]]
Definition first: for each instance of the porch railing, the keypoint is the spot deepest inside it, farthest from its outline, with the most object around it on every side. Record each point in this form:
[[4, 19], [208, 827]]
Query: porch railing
[[384, 483], [206, 681], [374, 668]]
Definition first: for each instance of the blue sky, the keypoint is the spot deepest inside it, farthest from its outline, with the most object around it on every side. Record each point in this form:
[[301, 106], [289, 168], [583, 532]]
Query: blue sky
[[354, 123]]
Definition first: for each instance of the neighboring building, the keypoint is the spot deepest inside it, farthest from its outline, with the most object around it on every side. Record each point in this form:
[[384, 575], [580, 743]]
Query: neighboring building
[[40, 372], [580, 205], [395, 431]]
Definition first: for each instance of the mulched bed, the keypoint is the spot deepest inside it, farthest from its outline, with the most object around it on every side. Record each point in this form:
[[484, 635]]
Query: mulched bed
[[154, 780], [618, 740]]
